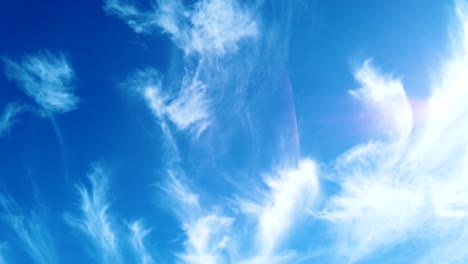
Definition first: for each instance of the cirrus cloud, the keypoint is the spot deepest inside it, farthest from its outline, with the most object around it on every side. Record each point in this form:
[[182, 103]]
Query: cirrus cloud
[[47, 78], [411, 186]]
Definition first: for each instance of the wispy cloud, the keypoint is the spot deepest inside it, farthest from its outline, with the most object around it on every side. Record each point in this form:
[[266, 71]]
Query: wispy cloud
[[412, 186], [114, 239], [207, 239], [291, 192], [385, 97], [47, 78], [211, 235], [209, 27], [9, 116], [31, 233], [204, 30], [187, 109], [140, 22], [207, 31], [138, 234], [207, 232], [94, 220], [212, 27]]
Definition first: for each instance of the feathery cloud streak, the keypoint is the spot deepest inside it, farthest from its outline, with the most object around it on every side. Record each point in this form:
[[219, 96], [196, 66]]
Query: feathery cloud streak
[[9, 116], [291, 192], [33, 237], [215, 26], [47, 78], [208, 232], [94, 220], [138, 234], [410, 183], [211, 235], [214, 29], [109, 236], [187, 110], [209, 28], [140, 22]]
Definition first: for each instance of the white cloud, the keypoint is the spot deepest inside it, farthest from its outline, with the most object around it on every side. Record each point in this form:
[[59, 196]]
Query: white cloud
[[291, 194], [138, 234], [210, 236], [187, 109], [94, 220], [181, 193], [212, 27], [208, 233], [208, 28], [9, 116], [207, 238], [47, 78], [385, 96], [103, 229], [190, 106], [140, 22], [415, 185], [30, 231]]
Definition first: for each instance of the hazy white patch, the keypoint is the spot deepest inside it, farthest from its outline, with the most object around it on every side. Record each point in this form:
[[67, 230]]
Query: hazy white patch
[[9, 116], [47, 78], [171, 16], [34, 239], [138, 234], [94, 220], [3, 258], [392, 192], [286, 257], [292, 192]]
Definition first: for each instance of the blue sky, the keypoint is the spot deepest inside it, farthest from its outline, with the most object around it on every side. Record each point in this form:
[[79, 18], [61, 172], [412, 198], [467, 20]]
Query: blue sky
[[222, 131]]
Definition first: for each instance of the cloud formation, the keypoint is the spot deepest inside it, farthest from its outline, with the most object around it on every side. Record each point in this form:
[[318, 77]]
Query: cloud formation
[[207, 232], [414, 185], [386, 97], [208, 28], [94, 220], [187, 108], [292, 191], [138, 234], [30, 231], [47, 78], [212, 27], [140, 22], [9, 116], [407, 183], [212, 234]]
